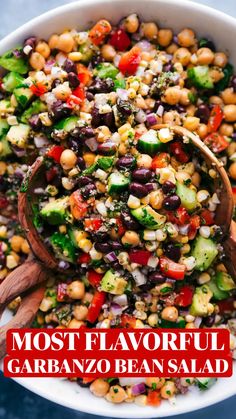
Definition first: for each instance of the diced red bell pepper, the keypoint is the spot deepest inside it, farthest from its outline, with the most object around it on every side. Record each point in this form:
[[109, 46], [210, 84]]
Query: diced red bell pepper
[[94, 278], [172, 269], [3, 202], [92, 224], [226, 305], [206, 217], [128, 321], [216, 142], [96, 306], [195, 222], [130, 61], [179, 217], [79, 93], [120, 40], [185, 296], [62, 291], [177, 149], [160, 161], [215, 119], [153, 398], [120, 227], [99, 31], [87, 380], [38, 89], [84, 258], [139, 256], [55, 153], [51, 174], [84, 74], [234, 193], [78, 207]]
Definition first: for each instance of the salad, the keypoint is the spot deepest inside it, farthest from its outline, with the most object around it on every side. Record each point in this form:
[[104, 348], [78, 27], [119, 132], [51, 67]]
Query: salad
[[128, 204]]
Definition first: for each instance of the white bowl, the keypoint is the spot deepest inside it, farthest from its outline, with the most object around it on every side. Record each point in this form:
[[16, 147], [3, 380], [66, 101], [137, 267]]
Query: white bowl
[[168, 13]]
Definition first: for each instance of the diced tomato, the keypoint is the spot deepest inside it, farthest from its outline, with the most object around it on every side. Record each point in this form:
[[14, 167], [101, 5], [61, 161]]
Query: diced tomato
[[51, 174], [99, 31], [128, 321], [195, 222], [38, 89], [227, 305], [216, 142], [206, 217], [185, 296], [172, 269], [120, 227], [94, 278], [177, 149], [160, 161], [78, 207], [62, 291], [87, 380], [153, 398], [139, 256], [3, 202], [96, 306], [55, 152], [130, 61], [92, 224], [79, 93], [120, 40], [215, 119], [84, 258], [180, 216], [234, 193], [84, 74]]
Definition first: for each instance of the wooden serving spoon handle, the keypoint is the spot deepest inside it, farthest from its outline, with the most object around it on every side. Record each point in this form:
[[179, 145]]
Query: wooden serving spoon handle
[[230, 250], [31, 273], [24, 316]]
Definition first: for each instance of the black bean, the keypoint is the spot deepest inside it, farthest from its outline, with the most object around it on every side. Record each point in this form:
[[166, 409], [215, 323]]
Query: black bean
[[35, 123], [108, 119], [73, 80], [103, 247], [83, 133], [4, 184], [101, 236], [116, 245], [125, 162], [168, 187], [209, 320], [74, 145], [69, 66], [137, 189], [55, 83], [81, 383], [180, 108], [203, 112], [59, 110], [124, 107], [89, 96], [88, 191], [101, 86], [168, 67], [96, 59], [129, 221], [157, 277], [142, 175], [172, 252], [172, 203], [233, 83], [96, 117], [150, 187], [108, 149], [2, 260], [83, 180], [30, 41]]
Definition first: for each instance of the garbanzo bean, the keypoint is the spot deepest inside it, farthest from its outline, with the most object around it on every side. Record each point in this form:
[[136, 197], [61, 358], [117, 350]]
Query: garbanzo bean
[[144, 160], [116, 394], [216, 74], [66, 42], [16, 243], [156, 199], [205, 56], [37, 61], [220, 59], [62, 91], [130, 237], [75, 324], [158, 382], [170, 313], [230, 113], [99, 387], [131, 23], [172, 95], [76, 290], [232, 170], [150, 30], [226, 129], [68, 159], [191, 123], [202, 130], [229, 96], [80, 312], [108, 52], [168, 390], [186, 38], [215, 100], [164, 37], [182, 55], [53, 41], [25, 247], [43, 49]]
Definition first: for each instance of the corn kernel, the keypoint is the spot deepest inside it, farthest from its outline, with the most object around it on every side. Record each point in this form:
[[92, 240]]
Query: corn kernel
[[85, 245], [3, 232], [80, 235], [63, 229], [11, 262], [165, 135], [75, 56], [3, 168], [133, 202], [124, 128]]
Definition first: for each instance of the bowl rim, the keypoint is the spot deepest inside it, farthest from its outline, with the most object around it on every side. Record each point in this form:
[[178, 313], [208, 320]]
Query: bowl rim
[[12, 37]]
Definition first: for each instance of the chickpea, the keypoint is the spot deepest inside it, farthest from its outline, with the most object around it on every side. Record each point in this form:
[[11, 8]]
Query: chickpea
[[37, 61], [66, 42], [172, 95], [226, 129], [153, 320], [122, 149], [220, 59], [150, 30], [182, 176], [190, 110], [80, 312], [25, 247], [232, 170], [229, 96], [215, 100], [43, 49], [3, 168], [76, 290], [184, 97], [116, 394], [153, 305], [159, 382], [108, 52], [68, 159], [131, 23], [196, 179], [186, 38], [205, 56], [170, 313], [144, 161], [191, 123], [156, 199], [202, 130], [231, 148], [62, 91], [171, 48], [171, 118], [164, 37], [182, 55], [99, 387], [53, 41], [215, 74], [75, 324], [89, 158], [130, 237], [230, 113], [87, 298], [168, 390], [16, 243]]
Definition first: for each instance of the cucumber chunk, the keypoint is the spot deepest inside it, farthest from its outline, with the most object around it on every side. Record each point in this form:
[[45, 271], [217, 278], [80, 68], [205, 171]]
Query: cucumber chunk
[[188, 196], [205, 383], [5, 149], [18, 135], [55, 212], [149, 218], [105, 163], [12, 80], [201, 298], [12, 63], [225, 282], [67, 124], [200, 77], [117, 183], [63, 247], [4, 127], [204, 251], [217, 293], [149, 143], [106, 71], [36, 107], [23, 96], [113, 283]]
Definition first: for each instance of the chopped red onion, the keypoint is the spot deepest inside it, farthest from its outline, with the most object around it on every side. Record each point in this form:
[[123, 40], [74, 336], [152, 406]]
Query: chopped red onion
[[116, 309], [160, 110], [4, 220], [39, 191], [48, 66], [144, 45], [19, 173], [197, 322], [140, 116], [19, 152], [61, 58], [139, 277], [131, 381], [63, 265], [184, 229], [110, 257], [175, 78], [138, 389], [40, 141], [91, 143], [170, 281], [151, 119], [122, 299], [122, 94]]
